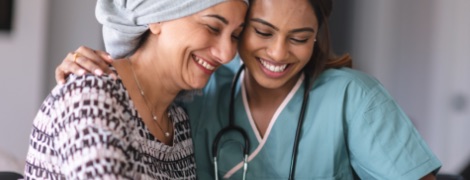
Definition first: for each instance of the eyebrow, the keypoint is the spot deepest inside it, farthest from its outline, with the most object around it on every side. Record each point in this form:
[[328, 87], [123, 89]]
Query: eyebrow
[[225, 21], [308, 29], [221, 18], [305, 29]]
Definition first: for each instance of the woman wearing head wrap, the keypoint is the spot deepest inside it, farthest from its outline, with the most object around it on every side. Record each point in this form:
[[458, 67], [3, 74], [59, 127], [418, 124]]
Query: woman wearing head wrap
[[352, 128], [100, 128]]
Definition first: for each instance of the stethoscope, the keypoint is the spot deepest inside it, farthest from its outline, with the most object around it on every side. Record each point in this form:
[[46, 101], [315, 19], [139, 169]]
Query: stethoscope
[[233, 127]]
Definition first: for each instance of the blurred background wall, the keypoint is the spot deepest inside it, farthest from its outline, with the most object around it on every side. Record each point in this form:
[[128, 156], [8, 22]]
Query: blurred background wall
[[43, 32], [419, 50], [22, 54]]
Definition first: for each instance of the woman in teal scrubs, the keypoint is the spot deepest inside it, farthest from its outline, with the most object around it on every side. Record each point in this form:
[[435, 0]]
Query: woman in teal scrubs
[[353, 128]]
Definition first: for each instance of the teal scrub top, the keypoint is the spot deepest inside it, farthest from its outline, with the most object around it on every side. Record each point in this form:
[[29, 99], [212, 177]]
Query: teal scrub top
[[353, 128]]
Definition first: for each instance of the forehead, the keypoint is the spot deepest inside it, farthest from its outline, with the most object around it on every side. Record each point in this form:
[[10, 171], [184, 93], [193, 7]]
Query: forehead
[[233, 11], [284, 12]]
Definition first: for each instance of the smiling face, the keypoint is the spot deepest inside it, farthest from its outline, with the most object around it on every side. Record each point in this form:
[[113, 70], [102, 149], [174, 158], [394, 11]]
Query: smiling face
[[278, 41], [193, 47]]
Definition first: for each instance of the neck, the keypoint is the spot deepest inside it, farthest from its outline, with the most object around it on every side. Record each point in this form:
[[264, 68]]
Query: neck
[[260, 96], [158, 92]]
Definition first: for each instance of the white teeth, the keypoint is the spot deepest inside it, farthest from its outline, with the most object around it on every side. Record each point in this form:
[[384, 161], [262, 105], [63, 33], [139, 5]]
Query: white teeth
[[204, 63], [272, 67]]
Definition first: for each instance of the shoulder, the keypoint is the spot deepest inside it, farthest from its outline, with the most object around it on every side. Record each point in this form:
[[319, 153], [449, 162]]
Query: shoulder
[[351, 91], [82, 97], [86, 87], [86, 83], [80, 91], [376, 126], [347, 76], [349, 83], [352, 82]]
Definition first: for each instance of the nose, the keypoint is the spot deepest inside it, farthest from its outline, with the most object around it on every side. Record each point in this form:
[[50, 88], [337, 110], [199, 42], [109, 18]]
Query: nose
[[225, 50], [277, 50]]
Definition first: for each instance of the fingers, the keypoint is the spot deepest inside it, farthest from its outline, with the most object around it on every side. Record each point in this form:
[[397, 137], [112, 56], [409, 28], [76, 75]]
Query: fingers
[[91, 60], [84, 60], [66, 68], [107, 60], [105, 56], [59, 76]]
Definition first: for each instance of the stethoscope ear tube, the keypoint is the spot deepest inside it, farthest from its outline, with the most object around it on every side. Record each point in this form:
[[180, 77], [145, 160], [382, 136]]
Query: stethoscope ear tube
[[299, 127]]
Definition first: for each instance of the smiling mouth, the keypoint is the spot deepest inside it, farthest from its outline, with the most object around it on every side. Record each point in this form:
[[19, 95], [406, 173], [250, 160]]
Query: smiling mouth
[[203, 63], [272, 67]]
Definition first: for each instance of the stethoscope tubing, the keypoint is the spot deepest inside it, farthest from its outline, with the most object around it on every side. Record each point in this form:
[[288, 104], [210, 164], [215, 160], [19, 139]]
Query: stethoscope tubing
[[233, 127], [299, 128]]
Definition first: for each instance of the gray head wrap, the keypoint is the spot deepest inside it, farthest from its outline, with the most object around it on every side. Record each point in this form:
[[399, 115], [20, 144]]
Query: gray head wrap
[[124, 21]]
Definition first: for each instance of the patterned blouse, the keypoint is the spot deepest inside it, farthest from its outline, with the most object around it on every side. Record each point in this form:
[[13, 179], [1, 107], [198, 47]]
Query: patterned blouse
[[90, 129]]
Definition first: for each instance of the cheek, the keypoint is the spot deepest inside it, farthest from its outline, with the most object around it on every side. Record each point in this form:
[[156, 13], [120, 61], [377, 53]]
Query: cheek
[[251, 43], [200, 34], [187, 33], [304, 54]]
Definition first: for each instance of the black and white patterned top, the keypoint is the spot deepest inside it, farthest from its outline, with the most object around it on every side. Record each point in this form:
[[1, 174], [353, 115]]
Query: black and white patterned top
[[90, 129]]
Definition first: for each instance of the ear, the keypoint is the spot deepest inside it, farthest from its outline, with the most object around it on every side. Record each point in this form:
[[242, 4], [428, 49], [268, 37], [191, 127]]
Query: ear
[[155, 28]]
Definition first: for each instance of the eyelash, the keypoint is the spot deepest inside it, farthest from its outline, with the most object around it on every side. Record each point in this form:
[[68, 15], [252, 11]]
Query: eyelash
[[269, 35], [213, 29], [217, 31], [236, 37], [299, 40], [262, 34]]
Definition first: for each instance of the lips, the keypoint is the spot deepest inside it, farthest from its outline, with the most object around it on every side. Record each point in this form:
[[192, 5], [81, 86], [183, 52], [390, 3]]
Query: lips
[[203, 63]]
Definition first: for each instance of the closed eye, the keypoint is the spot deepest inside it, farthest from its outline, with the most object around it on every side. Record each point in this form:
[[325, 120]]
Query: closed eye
[[299, 40], [262, 33], [213, 29], [236, 37]]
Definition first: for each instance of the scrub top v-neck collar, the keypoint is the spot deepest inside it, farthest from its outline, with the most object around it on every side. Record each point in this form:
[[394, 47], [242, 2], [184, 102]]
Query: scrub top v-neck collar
[[254, 129]]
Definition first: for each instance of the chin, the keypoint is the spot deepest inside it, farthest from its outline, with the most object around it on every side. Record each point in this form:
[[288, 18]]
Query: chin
[[195, 81], [198, 84], [270, 84]]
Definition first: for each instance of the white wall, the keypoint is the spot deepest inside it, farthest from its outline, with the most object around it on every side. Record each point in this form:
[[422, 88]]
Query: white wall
[[72, 23], [22, 53], [450, 117], [44, 32]]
